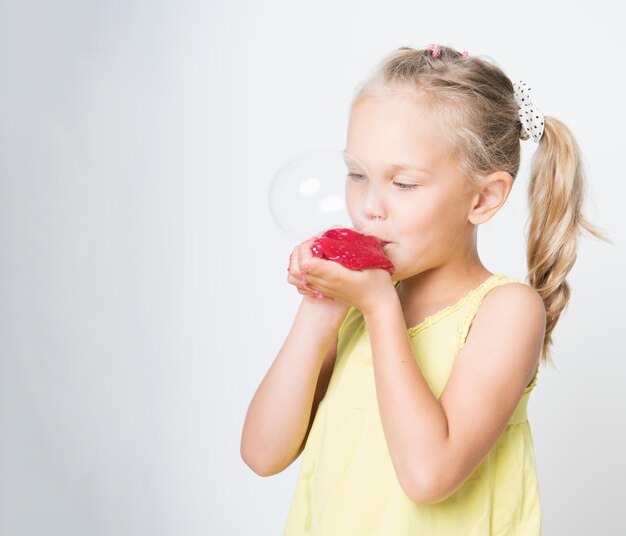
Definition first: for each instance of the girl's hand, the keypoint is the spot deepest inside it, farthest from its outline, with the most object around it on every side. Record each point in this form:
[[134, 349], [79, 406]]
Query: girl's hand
[[301, 254], [364, 289]]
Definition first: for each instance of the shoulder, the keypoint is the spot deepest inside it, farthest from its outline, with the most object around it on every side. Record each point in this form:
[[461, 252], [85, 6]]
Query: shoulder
[[511, 311], [514, 298], [504, 305]]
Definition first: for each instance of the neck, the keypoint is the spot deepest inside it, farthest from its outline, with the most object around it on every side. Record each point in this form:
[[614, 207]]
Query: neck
[[445, 283]]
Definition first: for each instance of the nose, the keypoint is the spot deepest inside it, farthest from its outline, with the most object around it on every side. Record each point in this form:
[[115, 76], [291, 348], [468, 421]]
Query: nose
[[374, 207]]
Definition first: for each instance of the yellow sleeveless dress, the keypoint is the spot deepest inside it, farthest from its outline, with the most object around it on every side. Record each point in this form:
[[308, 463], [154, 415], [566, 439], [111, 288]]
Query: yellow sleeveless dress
[[347, 485]]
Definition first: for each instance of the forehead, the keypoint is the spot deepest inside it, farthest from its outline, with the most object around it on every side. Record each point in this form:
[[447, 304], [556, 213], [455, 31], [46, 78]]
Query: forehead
[[399, 127]]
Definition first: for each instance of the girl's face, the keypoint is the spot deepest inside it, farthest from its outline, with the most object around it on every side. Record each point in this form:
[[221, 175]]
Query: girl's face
[[421, 211]]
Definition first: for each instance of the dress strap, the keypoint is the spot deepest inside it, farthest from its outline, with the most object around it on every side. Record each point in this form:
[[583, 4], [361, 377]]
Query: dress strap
[[476, 301], [474, 304]]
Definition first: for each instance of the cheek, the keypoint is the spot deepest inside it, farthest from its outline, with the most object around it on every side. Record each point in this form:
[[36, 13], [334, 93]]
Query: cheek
[[418, 219], [441, 216], [429, 227]]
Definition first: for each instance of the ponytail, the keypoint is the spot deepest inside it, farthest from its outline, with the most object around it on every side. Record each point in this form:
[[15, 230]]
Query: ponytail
[[555, 198], [481, 112]]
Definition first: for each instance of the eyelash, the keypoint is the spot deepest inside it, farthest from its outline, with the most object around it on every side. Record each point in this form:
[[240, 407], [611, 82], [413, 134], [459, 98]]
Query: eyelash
[[405, 187]]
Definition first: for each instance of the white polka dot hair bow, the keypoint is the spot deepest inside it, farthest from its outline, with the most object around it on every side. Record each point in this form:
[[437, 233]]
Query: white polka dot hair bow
[[529, 115]]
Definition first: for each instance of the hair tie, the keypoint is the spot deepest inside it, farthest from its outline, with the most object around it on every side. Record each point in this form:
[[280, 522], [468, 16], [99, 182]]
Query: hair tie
[[529, 115], [434, 49]]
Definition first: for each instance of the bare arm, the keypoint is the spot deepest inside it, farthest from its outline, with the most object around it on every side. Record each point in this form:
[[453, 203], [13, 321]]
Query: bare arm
[[435, 444], [281, 412], [320, 390]]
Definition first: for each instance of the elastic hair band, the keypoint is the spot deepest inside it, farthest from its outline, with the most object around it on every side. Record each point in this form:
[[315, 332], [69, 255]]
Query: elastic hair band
[[434, 49]]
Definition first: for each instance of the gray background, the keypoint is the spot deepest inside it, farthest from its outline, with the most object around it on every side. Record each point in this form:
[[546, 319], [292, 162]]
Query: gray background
[[143, 289]]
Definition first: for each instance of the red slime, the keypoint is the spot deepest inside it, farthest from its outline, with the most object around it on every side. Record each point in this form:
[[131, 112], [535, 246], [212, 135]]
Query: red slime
[[351, 249]]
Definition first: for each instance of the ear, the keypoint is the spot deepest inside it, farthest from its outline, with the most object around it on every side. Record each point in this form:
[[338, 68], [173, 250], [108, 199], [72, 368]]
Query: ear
[[489, 197]]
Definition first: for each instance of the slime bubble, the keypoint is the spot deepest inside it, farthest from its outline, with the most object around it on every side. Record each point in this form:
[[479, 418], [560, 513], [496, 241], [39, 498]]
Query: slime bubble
[[307, 194]]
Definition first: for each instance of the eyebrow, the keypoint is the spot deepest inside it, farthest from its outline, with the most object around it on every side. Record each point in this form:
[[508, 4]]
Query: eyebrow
[[404, 165], [409, 166]]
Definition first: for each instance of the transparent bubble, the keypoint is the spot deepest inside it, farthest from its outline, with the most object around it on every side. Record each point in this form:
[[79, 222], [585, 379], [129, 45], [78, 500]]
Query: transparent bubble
[[307, 195]]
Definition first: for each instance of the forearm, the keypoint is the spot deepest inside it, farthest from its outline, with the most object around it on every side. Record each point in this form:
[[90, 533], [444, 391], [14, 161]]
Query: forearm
[[278, 416], [414, 423]]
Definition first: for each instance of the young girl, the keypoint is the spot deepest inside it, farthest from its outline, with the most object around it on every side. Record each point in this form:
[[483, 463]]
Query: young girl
[[424, 430]]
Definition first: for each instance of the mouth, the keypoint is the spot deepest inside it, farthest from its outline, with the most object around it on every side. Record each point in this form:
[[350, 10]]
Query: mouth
[[383, 243]]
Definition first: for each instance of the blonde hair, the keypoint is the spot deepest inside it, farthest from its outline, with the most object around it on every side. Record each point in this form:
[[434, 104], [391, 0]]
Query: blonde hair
[[473, 100]]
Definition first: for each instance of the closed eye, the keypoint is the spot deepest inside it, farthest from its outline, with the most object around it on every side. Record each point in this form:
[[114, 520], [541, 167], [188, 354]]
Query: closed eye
[[402, 186]]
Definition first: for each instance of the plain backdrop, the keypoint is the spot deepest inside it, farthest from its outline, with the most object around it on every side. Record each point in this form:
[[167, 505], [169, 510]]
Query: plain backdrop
[[143, 289]]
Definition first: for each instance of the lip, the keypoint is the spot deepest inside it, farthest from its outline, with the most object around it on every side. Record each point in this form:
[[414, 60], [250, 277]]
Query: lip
[[382, 241]]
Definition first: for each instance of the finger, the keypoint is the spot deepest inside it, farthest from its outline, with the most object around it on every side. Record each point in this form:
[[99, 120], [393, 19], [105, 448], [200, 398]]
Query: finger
[[297, 282], [313, 265], [310, 294], [294, 263], [303, 288], [302, 250], [313, 293], [303, 256], [314, 284]]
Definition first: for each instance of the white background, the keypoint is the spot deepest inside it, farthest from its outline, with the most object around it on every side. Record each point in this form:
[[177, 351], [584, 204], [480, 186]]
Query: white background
[[143, 289]]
